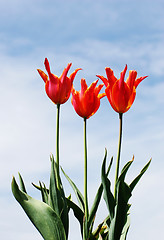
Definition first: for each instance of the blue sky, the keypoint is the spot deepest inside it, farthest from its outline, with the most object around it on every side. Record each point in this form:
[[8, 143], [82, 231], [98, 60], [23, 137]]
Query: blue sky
[[92, 35]]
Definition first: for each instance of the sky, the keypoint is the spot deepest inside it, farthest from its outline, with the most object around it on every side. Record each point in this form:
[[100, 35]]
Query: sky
[[91, 35]]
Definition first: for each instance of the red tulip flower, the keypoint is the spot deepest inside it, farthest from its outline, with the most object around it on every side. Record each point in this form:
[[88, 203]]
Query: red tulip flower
[[58, 89], [87, 101], [121, 94]]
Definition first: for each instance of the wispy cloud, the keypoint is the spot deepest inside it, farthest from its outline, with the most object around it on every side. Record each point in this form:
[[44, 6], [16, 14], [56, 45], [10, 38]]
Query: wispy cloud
[[91, 36]]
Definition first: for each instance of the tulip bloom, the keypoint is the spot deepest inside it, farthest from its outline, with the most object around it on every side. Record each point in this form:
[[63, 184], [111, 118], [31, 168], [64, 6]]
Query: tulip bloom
[[121, 94], [58, 89], [87, 101]]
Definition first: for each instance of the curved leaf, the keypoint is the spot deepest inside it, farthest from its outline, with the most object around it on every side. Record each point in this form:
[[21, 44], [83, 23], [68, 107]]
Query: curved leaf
[[95, 205], [98, 195], [77, 192], [125, 229], [57, 196], [41, 215], [135, 181], [108, 196], [77, 212]]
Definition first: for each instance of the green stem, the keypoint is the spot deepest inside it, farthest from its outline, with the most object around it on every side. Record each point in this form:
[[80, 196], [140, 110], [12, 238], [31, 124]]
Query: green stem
[[118, 153], [57, 144], [85, 171]]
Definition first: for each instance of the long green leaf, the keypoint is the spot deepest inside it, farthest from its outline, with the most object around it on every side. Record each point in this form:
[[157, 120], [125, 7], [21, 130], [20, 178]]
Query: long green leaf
[[125, 229], [57, 196], [124, 170], [77, 212], [135, 181], [77, 192], [108, 196], [121, 210], [119, 222], [98, 196], [95, 205], [54, 197], [123, 193], [44, 192], [41, 215]]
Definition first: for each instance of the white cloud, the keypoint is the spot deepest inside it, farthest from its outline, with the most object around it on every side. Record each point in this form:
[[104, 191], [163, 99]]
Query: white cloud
[[28, 117], [28, 135]]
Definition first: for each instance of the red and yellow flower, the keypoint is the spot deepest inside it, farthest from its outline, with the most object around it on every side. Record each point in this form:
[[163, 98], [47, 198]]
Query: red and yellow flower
[[87, 101], [121, 94], [58, 89]]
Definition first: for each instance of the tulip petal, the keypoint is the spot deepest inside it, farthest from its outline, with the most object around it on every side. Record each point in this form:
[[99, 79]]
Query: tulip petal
[[120, 96], [76, 103], [84, 87], [105, 81], [132, 98], [72, 76], [110, 75], [138, 80], [52, 77], [131, 79], [98, 89], [101, 95], [47, 66], [109, 96], [64, 74], [122, 76], [43, 75]]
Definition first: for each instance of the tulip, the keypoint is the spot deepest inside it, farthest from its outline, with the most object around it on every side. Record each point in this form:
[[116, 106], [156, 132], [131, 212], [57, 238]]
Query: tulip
[[121, 94], [58, 89], [86, 102]]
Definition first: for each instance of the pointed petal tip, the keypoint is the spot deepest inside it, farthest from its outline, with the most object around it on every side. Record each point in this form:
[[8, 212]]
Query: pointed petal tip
[[83, 81], [46, 61], [79, 69], [43, 75], [125, 69], [145, 77], [99, 76], [69, 65], [47, 65], [108, 68], [101, 95], [122, 75]]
